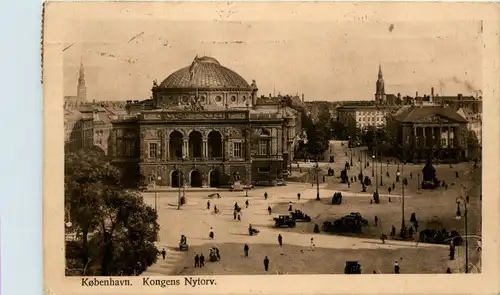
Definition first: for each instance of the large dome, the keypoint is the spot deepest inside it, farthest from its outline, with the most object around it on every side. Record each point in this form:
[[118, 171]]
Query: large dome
[[204, 73]]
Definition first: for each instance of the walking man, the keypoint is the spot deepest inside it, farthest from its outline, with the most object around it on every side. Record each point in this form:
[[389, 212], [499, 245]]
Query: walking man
[[196, 261], [298, 196], [245, 249], [211, 234], [246, 203], [265, 196], [376, 220], [269, 210], [163, 253], [280, 240], [266, 263], [202, 260]]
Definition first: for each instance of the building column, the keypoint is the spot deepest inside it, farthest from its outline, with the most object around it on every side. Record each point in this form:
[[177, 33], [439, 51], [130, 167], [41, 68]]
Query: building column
[[185, 150], [205, 148], [167, 149], [224, 148], [448, 137]]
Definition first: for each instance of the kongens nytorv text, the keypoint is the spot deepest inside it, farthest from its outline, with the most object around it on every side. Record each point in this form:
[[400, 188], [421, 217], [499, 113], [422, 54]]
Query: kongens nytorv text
[[149, 282]]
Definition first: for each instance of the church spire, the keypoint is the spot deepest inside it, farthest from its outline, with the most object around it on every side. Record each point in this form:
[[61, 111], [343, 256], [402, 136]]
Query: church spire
[[81, 88], [380, 89], [380, 71]]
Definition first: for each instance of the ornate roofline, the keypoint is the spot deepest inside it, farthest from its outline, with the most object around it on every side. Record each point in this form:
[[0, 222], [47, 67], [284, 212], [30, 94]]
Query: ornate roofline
[[195, 89]]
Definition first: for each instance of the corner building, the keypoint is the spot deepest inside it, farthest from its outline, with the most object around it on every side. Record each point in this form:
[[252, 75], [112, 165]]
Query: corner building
[[203, 127]]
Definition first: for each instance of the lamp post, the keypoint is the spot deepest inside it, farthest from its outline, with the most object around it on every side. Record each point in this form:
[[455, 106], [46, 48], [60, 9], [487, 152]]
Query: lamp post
[[418, 182], [387, 169], [359, 152], [461, 200], [373, 171], [350, 149], [156, 195], [381, 173], [403, 228], [317, 179], [373, 164]]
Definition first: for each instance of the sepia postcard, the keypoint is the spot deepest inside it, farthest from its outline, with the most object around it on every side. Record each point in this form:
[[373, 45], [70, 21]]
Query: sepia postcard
[[271, 148]]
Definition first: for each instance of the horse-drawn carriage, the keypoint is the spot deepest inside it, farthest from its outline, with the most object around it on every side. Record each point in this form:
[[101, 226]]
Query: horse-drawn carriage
[[183, 245], [214, 254]]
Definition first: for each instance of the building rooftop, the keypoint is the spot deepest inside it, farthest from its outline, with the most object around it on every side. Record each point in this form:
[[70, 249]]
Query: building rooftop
[[417, 113]]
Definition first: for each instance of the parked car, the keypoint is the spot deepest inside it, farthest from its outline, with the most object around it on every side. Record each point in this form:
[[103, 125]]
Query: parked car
[[284, 221], [300, 216]]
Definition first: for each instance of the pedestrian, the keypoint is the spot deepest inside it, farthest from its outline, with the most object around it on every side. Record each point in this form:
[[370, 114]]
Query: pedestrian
[[452, 253], [236, 206], [352, 179], [163, 253], [202, 260], [355, 179], [324, 179], [196, 261], [211, 234], [290, 208], [265, 196], [467, 199], [413, 217], [216, 210], [411, 175], [280, 240], [448, 270], [393, 231], [410, 232], [396, 267], [266, 263], [348, 183], [234, 214], [389, 198], [456, 174], [383, 237], [208, 205], [393, 186], [311, 245], [269, 210], [376, 220], [238, 216], [245, 249], [246, 203], [298, 196]]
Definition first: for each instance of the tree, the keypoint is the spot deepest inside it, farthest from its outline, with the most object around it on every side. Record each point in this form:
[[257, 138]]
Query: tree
[[116, 230], [317, 141]]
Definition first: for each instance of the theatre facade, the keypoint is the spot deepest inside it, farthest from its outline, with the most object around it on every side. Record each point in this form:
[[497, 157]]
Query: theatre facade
[[203, 127]]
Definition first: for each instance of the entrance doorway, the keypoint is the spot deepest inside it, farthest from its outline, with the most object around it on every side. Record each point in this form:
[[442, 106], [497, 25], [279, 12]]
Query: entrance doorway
[[196, 180], [176, 178], [214, 178]]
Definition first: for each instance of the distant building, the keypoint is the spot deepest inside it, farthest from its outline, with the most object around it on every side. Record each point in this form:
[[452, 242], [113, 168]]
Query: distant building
[[81, 89], [359, 117], [77, 131], [474, 123], [429, 132]]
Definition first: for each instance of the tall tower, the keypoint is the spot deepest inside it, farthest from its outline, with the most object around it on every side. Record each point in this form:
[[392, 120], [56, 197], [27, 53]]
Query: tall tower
[[380, 90], [81, 90]]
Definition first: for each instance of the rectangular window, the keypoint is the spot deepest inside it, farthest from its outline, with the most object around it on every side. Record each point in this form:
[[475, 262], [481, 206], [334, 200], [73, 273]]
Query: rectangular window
[[443, 142], [237, 149], [263, 147], [153, 149]]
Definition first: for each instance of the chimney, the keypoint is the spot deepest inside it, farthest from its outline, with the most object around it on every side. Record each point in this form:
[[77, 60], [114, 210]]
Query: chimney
[[416, 94], [432, 92], [302, 97]]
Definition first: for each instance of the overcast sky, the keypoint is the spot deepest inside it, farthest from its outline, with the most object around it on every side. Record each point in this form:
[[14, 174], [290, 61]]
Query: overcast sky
[[326, 58]]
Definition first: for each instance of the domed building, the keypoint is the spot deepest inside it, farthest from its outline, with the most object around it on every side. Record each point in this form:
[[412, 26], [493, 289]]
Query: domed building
[[204, 127]]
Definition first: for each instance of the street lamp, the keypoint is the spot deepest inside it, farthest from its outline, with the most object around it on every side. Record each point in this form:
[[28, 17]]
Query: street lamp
[[373, 173], [403, 228], [359, 152], [350, 149], [373, 164], [381, 172], [317, 180], [418, 182], [461, 200], [156, 195]]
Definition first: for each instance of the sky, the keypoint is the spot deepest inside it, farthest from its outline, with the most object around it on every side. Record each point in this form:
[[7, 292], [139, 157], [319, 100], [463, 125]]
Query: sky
[[125, 48]]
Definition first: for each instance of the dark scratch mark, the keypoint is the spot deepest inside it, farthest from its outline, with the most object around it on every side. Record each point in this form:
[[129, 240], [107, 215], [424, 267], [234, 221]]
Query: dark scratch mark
[[68, 47], [136, 36], [391, 27]]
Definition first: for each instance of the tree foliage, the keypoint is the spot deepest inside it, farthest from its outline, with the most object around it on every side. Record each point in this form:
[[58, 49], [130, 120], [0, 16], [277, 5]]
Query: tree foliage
[[115, 229]]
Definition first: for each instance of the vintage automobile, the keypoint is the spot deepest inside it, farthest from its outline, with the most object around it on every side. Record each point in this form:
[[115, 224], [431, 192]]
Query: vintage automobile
[[337, 198], [352, 267], [350, 223], [284, 221], [300, 216], [433, 236]]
